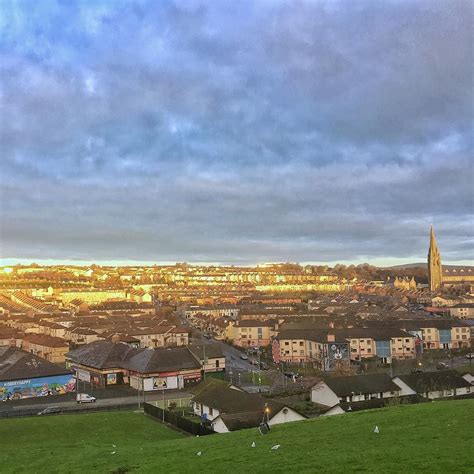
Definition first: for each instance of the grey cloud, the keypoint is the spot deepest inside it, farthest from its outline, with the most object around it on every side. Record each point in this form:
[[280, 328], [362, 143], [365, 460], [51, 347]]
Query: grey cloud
[[237, 130]]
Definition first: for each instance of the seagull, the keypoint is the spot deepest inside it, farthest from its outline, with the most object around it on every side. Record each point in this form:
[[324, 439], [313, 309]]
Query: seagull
[[113, 452], [276, 446], [199, 453], [113, 446], [253, 444], [376, 430]]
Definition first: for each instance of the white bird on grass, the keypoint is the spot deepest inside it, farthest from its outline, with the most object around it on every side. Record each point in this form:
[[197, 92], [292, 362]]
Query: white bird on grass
[[376, 430], [276, 446], [113, 452], [199, 453], [253, 444]]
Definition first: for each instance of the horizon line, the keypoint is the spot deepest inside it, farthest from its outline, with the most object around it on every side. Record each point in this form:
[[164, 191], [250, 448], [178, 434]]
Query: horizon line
[[381, 263]]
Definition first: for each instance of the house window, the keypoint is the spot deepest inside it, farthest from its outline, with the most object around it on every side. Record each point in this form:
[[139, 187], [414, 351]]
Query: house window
[[287, 343], [301, 343], [217, 363], [369, 350]]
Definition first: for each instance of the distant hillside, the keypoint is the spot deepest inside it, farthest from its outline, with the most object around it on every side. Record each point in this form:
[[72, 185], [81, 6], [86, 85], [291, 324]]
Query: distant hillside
[[406, 266]]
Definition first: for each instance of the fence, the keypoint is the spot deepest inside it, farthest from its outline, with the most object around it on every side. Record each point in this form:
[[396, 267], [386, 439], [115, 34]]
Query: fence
[[68, 410], [177, 420], [181, 402]]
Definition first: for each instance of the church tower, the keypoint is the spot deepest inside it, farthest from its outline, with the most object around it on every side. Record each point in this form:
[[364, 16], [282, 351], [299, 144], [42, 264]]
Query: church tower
[[434, 264]]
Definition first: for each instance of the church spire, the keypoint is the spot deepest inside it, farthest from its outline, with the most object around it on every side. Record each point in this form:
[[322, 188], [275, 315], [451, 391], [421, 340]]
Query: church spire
[[432, 238], [434, 264]]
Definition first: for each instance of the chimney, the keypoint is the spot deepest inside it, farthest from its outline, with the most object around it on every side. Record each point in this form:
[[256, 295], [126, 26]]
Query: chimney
[[115, 338], [331, 337]]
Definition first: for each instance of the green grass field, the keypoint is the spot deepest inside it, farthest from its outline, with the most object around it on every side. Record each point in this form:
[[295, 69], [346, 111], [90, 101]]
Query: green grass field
[[430, 437]]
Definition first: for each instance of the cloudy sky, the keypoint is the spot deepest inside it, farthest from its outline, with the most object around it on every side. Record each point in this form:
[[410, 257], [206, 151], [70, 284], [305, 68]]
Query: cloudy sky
[[236, 131]]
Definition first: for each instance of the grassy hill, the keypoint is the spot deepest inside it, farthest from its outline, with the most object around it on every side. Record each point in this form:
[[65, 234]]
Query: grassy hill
[[431, 437]]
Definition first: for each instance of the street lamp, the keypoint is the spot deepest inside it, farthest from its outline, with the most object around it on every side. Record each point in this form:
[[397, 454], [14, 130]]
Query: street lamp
[[163, 404]]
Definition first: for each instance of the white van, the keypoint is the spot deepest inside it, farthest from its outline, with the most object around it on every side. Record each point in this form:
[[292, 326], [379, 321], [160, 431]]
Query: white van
[[85, 398]]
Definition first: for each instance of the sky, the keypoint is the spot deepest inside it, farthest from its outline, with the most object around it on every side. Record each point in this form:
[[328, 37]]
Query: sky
[[236, 131]]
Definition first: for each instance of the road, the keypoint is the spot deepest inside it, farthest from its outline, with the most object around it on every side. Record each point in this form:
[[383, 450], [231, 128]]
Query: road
[[67, 402], [237, 367]]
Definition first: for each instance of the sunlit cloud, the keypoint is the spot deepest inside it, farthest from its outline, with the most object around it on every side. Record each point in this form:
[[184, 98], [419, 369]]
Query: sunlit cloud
[[236, 131]]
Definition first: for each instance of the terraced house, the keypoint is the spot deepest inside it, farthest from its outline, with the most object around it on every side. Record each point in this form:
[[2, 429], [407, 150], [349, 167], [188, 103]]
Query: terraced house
[[53, 349], [315, 345], [250, 333], [324, 348], [436, 333]]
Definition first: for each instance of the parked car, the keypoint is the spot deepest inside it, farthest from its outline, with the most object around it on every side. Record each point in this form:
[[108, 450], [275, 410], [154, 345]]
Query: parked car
[[469, 356], [442, 366], [263, 366], [208, 336], [253, 361], [244, 357], [50, 411], [417, 371], [85, 398]]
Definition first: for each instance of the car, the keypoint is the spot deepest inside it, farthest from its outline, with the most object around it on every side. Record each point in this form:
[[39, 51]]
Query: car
[[263, 366], [253, 361], [291, 375], [244, 357], [85, 398], [417, 371], [469, 356], [208, 336], [442, 366], [49, 411]]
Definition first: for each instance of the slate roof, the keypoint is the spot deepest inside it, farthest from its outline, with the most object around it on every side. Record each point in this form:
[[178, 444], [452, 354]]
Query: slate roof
[[212, 350], [241, 421], [229, 400], [162, 360], [45, 340], [249, 323], [378, 334], [433, 381], [210, 383], [101, 354], [316, 335], [16, 364], [381, 402], [105, 354], [361, 384]]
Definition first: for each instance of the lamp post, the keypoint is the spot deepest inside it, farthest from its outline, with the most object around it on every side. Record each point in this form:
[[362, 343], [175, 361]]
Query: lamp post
[[163, 404], [204, 356]]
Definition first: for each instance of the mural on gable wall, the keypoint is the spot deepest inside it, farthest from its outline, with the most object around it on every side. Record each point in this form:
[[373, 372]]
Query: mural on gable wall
[[40, 387]]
